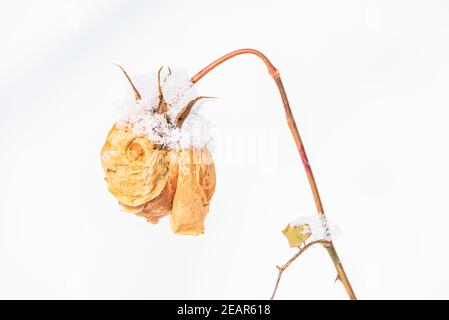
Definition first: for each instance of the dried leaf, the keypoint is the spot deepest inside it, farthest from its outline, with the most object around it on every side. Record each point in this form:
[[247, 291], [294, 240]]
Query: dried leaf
[[297, 235]]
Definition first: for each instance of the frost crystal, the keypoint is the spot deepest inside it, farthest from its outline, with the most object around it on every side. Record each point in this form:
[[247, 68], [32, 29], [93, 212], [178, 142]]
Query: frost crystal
[[319, 227], [178, 91]]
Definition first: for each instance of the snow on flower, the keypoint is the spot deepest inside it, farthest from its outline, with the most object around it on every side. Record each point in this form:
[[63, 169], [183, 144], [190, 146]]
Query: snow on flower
[[178, 91]]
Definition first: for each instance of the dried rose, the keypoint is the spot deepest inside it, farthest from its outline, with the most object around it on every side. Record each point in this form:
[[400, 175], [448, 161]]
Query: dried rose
[[152, 180]]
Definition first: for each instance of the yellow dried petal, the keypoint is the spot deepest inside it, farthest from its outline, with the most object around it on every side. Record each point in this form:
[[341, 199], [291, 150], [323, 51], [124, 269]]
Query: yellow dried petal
[[195, 187], [162, 204], [136, 169], [131, 209]]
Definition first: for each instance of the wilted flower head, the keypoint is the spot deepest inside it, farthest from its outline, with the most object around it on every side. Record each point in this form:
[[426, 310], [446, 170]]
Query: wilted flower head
[[150, 169]]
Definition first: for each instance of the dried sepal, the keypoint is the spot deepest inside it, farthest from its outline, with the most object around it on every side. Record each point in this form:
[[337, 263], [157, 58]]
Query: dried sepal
[[162, 105], [137, 95], [184, 113]]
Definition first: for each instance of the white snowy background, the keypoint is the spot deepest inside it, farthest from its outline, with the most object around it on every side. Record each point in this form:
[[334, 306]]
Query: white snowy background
[[368, 84]]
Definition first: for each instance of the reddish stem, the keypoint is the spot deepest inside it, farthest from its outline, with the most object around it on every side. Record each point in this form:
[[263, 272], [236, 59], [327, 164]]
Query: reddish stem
[[274, 73]]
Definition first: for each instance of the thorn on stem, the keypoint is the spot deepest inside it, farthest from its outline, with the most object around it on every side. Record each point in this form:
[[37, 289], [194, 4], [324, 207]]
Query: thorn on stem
[[337, 278]]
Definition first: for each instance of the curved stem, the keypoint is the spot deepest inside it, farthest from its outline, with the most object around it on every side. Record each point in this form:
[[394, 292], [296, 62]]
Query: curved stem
[[274, 73], [271, 69]]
